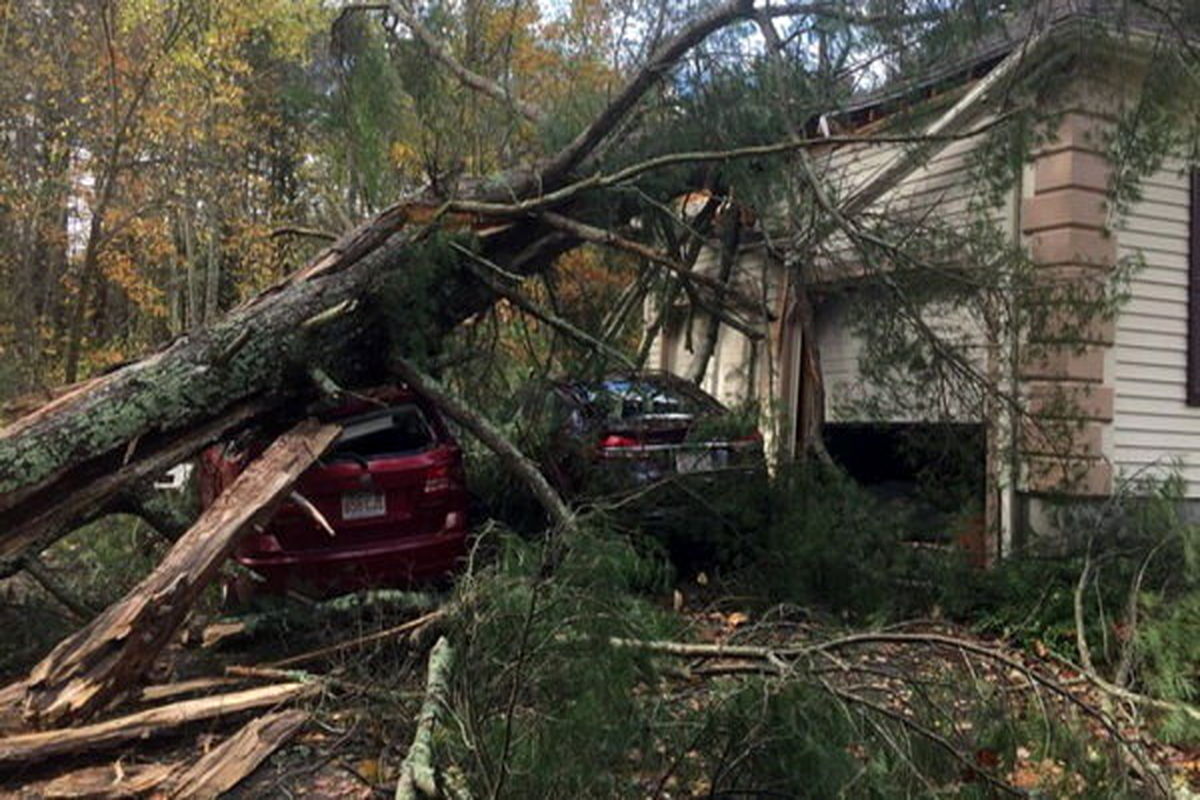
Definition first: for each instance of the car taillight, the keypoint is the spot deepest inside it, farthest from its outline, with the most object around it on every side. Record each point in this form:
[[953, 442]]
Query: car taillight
[[614, 442], [442, 478]]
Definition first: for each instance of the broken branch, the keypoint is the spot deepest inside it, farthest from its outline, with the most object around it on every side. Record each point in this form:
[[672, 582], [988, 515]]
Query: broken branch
[[223, 767], [472, 80], [30, 748], [358, 641], [416, 771], [492, 438]]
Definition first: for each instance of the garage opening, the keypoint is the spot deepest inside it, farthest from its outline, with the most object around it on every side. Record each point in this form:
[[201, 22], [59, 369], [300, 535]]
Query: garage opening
[[935, 472]]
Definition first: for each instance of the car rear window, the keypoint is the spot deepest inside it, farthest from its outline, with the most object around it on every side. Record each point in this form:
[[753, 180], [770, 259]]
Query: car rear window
[[633, 398], [400, 429]]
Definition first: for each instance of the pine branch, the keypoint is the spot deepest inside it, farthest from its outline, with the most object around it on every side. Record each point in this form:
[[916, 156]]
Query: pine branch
[[472, 80]]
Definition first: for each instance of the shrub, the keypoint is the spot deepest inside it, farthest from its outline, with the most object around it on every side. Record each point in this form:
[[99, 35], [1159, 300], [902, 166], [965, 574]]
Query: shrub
[[829, 543]]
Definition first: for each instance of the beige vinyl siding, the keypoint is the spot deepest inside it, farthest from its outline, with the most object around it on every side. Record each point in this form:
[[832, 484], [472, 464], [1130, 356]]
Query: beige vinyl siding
[[842, 349], [939, 192], [1153, 428], [728, 375]]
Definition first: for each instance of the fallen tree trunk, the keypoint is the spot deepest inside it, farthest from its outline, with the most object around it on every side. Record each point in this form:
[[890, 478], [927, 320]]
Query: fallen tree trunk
[[99, 662], [227, 764], [34, 526], [31, 748], [327, 318]]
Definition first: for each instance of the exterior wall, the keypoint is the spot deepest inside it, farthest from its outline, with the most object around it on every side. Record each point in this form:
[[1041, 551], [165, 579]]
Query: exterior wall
[[1154, 429], [841, 350], [734, 373], [1065, 220], [940, 189]]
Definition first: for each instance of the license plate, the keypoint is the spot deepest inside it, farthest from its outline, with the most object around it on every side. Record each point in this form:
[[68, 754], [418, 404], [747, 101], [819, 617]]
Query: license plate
[[361, 505], [702, 461]]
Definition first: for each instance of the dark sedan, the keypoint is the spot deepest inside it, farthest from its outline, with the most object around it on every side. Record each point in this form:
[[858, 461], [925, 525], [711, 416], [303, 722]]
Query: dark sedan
[[627, 431]]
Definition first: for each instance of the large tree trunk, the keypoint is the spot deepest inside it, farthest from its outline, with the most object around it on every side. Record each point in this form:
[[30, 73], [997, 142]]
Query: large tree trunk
[[327, 318], [28, 533], [109, 432], [96, 664]]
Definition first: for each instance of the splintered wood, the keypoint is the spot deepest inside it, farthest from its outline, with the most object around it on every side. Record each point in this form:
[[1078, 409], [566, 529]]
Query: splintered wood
[[31, 748], [226, 765], [207, 777], [89, 669]]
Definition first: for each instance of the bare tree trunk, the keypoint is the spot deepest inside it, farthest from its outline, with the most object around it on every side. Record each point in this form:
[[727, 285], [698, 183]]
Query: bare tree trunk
[[212, 275], [191, 315]]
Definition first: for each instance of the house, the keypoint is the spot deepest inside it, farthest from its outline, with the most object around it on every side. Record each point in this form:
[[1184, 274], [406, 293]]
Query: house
[[1078, 359]]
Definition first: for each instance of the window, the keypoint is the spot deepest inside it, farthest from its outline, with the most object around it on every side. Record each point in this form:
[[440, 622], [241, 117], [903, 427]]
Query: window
[[402, 429]]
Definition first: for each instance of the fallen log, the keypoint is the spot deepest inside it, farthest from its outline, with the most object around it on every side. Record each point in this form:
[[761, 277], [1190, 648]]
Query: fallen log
[[104, 659], [331, 315], [227, 764], [69, 458], [31, 748]]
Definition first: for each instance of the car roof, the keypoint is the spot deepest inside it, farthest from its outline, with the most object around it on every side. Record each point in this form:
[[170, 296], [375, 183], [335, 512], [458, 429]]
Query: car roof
[[663, 379]]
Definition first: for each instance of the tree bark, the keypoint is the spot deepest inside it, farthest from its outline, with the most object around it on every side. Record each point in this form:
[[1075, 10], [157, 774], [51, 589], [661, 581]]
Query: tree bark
[[417, 775], [35, 526], [99, 662]]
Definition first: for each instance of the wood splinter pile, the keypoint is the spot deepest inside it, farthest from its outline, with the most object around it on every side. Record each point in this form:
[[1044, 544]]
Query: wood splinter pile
[[49, 717]]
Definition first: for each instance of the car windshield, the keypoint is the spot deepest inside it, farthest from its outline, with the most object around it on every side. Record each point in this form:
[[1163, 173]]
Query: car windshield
[[626, 399], [401, 429]]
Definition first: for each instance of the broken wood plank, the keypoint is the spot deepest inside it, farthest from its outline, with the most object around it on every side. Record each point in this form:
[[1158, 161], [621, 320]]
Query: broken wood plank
[[90, 668], [171, 691], [217, 632], [227, 764], [31, 748], [108, 782]]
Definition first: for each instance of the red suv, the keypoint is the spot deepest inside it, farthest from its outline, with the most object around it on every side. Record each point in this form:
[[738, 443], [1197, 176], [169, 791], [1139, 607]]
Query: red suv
[[392, 488]]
